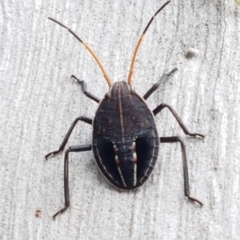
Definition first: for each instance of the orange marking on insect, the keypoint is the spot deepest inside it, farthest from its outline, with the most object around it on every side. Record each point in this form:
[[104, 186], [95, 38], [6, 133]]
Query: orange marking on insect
[[133, 147], [116, 159], [134, 157]]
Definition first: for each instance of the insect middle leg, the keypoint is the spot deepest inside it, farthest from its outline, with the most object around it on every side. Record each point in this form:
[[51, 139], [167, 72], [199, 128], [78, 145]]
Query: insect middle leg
[[185, 167], [158, 83], [80, 148], [64, 142], [186, 131]]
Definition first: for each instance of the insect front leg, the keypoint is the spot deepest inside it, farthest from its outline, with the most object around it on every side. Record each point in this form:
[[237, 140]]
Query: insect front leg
[[186, 131], [62, 146], [157, 84], [81, 148], [84, 89], [185, 167]]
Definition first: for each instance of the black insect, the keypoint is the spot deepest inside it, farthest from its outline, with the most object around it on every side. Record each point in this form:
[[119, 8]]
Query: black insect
[[125, 139]]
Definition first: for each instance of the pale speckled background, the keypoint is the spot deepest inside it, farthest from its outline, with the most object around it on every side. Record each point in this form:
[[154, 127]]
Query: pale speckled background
[[39, 101]]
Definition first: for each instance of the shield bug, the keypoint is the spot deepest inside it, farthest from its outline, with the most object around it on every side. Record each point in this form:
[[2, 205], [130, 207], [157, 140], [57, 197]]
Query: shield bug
[[125, 140]]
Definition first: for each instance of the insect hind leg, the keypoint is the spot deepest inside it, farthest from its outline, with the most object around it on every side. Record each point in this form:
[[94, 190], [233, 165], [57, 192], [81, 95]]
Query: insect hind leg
[[185, 167], [79, 148]]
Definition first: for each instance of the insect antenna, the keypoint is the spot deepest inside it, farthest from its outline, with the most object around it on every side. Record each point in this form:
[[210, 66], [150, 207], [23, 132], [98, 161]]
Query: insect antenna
[[89, 50], [139, 43]]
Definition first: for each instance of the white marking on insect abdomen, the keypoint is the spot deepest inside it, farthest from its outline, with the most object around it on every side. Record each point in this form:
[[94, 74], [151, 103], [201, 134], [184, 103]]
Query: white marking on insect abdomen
[[134, 174], [100, 160], [121, 176], [153, 156]]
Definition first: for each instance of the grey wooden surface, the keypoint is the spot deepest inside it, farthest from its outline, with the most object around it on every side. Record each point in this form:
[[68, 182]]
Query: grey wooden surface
[[39, 101]]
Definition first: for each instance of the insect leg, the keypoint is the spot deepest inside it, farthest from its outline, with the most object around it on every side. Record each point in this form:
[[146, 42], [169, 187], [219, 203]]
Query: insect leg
[[157, 84], [81, 148], [84, 89], [185, 167], [83, 119], [186, 131]]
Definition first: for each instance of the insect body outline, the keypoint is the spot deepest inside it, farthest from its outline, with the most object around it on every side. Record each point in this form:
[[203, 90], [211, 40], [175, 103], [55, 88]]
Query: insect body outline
[[125, 139]]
